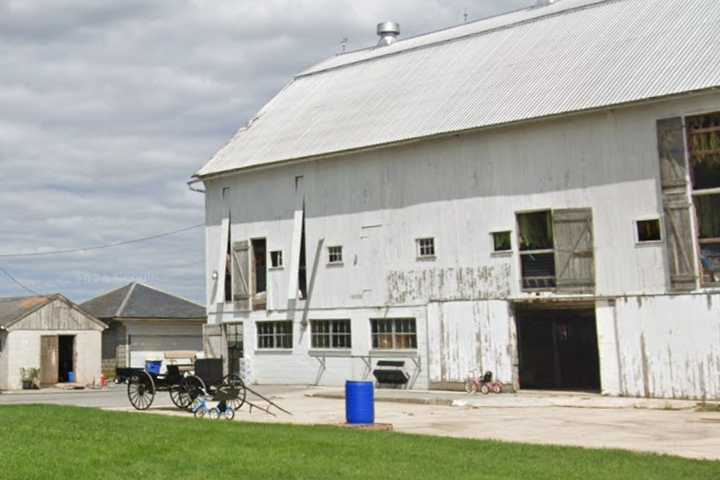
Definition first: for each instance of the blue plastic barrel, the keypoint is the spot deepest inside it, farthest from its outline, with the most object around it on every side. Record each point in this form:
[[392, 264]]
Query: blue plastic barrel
[[71, 377], [153, 366], [359, 402]]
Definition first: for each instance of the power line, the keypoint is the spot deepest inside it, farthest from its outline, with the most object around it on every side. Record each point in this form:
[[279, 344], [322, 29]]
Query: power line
[[99, 247], [18, 282]]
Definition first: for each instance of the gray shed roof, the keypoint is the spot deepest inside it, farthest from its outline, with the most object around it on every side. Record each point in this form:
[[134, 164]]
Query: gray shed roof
[[570, 56], [136, 300], [15, 308]]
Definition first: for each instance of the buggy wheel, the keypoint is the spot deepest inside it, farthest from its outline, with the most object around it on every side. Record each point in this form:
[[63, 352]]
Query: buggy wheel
[[235, 382], [497, 388], [484, 389], [141, 390], [470, 386], [190, 388]]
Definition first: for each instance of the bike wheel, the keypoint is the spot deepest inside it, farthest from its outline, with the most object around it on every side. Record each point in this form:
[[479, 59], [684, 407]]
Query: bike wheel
[[470, 387], [484, 389], [229, 413], [497, 388], [199, 413], [214, 414]]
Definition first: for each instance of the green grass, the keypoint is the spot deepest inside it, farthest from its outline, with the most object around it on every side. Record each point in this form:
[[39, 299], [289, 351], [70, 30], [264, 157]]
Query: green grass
[[47, 442]]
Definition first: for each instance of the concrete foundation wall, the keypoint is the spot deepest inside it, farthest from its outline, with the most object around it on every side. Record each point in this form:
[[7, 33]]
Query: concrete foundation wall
[[304, 365]]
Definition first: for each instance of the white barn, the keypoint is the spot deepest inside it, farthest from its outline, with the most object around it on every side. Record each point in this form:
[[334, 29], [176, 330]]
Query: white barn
[[536, 194]]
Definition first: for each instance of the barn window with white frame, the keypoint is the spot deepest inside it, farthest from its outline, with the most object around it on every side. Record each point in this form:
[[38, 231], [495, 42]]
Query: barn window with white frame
[[274, 335], [331, 334], [394, 334], [425, 247]]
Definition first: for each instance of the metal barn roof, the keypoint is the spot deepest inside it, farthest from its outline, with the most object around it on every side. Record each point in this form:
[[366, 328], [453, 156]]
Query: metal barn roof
[[136, 300], [570, 56]]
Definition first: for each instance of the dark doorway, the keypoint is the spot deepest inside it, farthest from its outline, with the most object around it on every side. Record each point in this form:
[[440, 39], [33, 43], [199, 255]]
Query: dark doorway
[[235, 346], [260, 265], [557, 348], [66, 357]]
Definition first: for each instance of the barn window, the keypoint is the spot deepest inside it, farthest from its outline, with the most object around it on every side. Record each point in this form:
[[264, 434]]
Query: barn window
[[501, 241], [394, 334], [425, 247], [537, 254], [335, 255], [703, 139], [331, 334], [274, 335], [276, 259], [648, 231], [556, 250]]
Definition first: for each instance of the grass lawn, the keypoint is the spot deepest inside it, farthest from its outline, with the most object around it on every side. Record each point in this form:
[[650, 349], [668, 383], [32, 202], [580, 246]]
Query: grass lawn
[[47, 442]]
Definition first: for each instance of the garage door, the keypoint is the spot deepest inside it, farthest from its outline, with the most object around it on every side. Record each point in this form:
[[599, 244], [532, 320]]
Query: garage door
[[143, 347]]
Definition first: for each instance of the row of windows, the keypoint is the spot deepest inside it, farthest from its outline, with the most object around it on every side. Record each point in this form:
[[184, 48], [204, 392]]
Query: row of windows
[[646, 231], [387, 334], [425, 249]]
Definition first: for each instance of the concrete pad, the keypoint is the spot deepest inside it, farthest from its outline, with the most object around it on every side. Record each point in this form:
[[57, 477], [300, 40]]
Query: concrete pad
[[522, 399], [684, 433]]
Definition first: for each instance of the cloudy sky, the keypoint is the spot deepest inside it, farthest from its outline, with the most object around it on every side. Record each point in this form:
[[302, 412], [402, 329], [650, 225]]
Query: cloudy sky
[[108, 107]]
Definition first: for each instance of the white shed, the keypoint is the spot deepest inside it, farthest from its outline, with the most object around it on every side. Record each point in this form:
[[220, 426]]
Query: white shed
[[49, 333]]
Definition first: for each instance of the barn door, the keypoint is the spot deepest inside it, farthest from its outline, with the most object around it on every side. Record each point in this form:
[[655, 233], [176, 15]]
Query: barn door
[[241, 274], [49, 360], [676, 205], [573, 243]]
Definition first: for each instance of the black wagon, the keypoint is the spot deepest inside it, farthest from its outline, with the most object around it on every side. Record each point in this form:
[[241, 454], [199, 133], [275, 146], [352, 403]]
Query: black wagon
[[184, 388]]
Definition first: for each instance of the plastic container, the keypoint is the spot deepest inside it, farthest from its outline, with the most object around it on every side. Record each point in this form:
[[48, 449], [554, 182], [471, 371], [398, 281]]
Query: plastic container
[[153, 366], [71, 377], [359, 402]]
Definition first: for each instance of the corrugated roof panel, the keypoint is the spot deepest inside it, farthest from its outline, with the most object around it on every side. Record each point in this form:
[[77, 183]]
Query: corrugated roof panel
[[545, 61]]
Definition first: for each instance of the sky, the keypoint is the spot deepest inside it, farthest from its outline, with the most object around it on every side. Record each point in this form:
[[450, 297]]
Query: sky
[[108, 107]]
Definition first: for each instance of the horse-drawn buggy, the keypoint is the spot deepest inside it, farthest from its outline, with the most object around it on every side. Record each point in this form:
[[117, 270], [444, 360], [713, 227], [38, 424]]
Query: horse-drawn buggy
[[205, 379]]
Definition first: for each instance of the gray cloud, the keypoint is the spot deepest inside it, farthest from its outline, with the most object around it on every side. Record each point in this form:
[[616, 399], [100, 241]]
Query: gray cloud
[[107, 108]]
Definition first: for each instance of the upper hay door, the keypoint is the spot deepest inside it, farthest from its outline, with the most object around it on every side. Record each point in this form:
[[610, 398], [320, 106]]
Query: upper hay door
[[574, 258]]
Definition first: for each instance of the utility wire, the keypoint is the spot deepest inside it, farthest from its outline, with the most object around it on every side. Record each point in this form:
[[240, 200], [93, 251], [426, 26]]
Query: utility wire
[[18, 282], [98, 247]]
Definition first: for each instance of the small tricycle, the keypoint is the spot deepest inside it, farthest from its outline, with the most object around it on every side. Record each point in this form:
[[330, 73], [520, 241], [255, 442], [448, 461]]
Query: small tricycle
[[485, 384]]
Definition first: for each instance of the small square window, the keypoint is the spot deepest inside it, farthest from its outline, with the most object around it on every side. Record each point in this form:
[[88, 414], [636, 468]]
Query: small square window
[[335, 254], [226, 193], [648, 230], [425, 247], [502, 241], [276, 259]]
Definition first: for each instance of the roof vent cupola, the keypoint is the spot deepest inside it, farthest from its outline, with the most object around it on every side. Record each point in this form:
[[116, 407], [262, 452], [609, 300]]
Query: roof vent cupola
[[388, 33]]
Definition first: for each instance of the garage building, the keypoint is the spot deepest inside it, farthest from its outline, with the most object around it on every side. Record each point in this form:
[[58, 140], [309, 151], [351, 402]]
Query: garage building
[[145, 323]]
